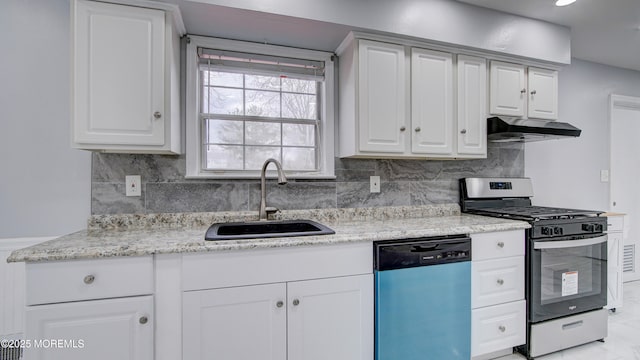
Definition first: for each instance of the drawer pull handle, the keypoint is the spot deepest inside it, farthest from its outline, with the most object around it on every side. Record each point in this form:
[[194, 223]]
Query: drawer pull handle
[[502, 328], [157, 114], [280, 304], [500, 281], [296, 302], [418, 129], [500, 244], [89, 279], [402, 128], [143, 320], [572, 325]]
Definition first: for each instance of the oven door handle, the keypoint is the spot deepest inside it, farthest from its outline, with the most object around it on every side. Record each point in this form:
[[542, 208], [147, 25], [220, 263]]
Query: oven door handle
[[569, 243]]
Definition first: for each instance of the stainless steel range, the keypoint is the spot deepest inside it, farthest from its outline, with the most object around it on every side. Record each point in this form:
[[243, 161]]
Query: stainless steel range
[[566, 263]]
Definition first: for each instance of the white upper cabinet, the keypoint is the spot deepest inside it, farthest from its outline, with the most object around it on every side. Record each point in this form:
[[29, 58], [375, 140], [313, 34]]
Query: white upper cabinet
[[523, 92], [125, 79], [381, 100], [431, 102], [472, 106], [543, 93], [398, 101]]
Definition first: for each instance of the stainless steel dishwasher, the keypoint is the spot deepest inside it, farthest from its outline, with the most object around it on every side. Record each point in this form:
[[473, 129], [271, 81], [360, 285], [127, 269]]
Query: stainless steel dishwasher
[[423, 298]]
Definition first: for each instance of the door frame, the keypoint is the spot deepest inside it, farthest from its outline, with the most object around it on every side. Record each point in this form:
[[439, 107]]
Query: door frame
[[630, 103]]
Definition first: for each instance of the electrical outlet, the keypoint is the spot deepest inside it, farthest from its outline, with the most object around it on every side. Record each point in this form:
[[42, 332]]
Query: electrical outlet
[[375, 184], [133, 185], [604, 176]]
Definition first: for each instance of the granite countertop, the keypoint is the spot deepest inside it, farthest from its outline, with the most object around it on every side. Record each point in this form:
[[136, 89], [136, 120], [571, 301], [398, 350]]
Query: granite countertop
[[139, 235]]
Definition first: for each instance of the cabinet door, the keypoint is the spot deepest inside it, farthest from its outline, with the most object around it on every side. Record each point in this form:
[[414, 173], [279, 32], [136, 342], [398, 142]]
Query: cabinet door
[[240, 323], [331, 319], [381, 97], [472, 109], [118, 82], [100, 329], [543, 93], [431, 102], [508, 89], [614, 270]]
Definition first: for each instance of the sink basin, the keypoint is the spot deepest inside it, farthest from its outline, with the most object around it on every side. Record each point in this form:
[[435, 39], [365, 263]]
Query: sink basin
[[265, 229]]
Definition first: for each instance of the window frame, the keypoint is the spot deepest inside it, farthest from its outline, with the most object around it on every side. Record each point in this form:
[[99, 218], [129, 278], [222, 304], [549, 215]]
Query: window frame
[[194, 135]]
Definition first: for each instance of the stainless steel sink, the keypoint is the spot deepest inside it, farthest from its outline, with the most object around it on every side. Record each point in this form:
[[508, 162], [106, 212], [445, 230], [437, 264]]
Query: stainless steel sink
[[265, 229]]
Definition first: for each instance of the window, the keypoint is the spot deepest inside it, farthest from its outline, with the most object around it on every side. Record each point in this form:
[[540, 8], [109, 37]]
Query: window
[[249, 102]]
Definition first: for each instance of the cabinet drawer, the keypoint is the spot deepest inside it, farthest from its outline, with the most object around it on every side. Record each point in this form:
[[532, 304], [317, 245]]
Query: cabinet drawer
[[615, 223], [497, 281], [53, 282], [497, 244], [498, 327]]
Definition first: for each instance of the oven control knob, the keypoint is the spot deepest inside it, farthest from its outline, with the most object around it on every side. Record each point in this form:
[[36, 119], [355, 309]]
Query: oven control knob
[[588, 227], [599, 228], [546, 230], [557, 230]]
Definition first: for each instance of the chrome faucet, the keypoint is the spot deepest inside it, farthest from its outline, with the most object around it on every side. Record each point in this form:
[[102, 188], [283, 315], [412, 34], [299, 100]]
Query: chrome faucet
[[264, 210]]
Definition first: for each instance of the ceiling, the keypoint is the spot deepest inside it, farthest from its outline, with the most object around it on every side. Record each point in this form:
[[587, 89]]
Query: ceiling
[[602, 31]]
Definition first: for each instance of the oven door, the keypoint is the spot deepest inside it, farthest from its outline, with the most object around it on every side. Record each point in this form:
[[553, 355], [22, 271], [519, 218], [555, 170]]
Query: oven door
[[568, 276]]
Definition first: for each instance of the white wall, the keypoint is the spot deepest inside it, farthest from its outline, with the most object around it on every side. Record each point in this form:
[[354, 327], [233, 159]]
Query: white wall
[[438, 20], [567, 172], [44, 184]]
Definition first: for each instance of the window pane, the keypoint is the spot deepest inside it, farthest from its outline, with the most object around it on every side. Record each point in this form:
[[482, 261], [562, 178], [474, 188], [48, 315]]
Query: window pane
[[298, 135], [223, 101], [256, 155], [262, 133], [299, 159], [224, 157], [263, 82], [224, 131], [263, 103], [219, 78], [299, 86], [299, 106]]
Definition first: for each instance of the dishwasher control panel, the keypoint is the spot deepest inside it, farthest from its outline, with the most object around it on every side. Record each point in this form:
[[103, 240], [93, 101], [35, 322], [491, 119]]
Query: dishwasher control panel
[[400, 254]]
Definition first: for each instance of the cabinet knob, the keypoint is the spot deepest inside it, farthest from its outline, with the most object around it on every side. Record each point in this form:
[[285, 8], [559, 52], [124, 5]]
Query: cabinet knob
[[402, 128], [500, 244], [157, 115], [418, 129], [89, 279], [296, 302], [280, 304], [500, 281], [502, 328], [533, 92], [463, 131], [143, 320], [523, 91]]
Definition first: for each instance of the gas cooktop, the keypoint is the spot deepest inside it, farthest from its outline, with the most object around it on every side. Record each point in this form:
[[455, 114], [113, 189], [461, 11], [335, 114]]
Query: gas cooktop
[[533, 213]]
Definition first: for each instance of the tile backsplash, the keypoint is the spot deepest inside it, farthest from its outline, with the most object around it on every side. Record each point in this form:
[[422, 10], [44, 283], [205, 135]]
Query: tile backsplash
[[403, 182]]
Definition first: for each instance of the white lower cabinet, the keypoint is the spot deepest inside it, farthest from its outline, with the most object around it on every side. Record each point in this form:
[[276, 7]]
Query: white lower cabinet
[[498, 315], [98, 329], [90, 309], [498, 327], [615, 250], [302, 320], [246, 322]]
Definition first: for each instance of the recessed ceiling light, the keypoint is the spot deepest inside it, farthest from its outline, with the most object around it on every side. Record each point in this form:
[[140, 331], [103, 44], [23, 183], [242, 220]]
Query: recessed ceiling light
[[564, 2]]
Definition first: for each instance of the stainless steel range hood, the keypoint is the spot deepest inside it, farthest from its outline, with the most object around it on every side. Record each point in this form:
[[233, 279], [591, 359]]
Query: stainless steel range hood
[[504, 129]]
